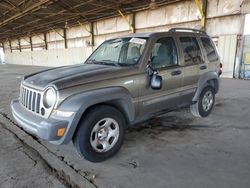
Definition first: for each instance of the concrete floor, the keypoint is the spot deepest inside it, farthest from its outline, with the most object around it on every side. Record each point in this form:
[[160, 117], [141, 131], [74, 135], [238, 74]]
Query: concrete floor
[[175, 150], [20, 167]]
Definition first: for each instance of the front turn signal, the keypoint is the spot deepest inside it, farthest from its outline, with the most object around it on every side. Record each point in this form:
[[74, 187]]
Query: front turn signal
[[60, 132]]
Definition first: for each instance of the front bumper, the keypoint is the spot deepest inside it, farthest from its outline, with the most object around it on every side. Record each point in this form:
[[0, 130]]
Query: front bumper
[[36, 125]]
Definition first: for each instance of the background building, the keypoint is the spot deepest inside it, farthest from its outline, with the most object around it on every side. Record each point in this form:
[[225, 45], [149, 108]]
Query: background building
[[55, 33]]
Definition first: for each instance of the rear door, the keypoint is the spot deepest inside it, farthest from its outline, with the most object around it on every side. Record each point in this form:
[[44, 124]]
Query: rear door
[[191, 64]]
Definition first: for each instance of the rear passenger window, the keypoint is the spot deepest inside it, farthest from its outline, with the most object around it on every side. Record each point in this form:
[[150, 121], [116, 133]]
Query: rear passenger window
[[209, 49], [191, 50]]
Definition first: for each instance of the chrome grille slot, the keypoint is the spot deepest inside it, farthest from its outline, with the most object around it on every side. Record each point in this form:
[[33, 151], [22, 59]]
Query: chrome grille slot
[[23, 95], [26, 98], [33, 101], [38, 103], [30, 99]]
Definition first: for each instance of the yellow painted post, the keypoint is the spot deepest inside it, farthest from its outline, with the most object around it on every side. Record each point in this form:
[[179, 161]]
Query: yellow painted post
[[57, 32], [91, 32], [126, 19], [84, 26], [203, 17]]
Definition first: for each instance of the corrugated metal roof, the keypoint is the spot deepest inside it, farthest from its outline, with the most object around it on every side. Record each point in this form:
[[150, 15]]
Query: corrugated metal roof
[[27, 17]]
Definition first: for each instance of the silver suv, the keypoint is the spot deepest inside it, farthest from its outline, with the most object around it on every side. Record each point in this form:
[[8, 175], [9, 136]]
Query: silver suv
[[125, 81]]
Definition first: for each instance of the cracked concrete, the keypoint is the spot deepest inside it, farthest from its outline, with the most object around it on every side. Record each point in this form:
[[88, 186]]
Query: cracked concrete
[[20, 167], [174, 150], [59, 168]]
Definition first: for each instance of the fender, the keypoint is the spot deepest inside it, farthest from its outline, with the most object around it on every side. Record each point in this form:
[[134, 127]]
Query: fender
[[205, 80], [79, 103]]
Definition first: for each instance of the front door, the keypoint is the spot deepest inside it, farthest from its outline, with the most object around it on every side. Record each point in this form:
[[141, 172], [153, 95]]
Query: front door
[[165, 60]]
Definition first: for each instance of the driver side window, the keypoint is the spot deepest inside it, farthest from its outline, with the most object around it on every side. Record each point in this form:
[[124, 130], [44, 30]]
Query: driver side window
[[164, 53], [133, 51]]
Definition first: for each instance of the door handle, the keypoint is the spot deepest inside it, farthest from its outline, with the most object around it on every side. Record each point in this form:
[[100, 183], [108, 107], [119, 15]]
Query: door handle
[[203, 67], [174, 73]]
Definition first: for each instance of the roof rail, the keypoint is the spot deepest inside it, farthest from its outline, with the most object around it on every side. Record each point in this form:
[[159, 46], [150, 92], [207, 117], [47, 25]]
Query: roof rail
[[187, 30]]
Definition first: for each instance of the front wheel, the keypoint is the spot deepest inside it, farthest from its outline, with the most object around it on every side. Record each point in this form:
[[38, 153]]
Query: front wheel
[[100, 134], [204, 106]]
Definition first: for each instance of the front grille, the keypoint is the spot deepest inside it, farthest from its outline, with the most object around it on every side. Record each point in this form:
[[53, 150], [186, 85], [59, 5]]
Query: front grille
[[30, 99]]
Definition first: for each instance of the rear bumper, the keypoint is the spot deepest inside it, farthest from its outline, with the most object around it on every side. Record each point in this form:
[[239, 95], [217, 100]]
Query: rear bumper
[[36, 125]]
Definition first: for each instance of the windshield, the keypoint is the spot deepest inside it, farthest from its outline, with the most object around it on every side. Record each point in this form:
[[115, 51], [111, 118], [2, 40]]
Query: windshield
[[119, 52]]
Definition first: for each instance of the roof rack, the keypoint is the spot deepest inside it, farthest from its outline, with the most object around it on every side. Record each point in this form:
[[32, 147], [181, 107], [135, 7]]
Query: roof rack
[[187, 30]]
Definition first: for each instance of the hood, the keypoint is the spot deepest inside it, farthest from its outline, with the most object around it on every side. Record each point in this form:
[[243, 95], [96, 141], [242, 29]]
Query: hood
[[68, 76]]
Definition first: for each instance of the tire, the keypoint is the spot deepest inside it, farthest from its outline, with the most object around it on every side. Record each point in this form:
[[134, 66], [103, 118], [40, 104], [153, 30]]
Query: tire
[[100, 133], [204, 106]]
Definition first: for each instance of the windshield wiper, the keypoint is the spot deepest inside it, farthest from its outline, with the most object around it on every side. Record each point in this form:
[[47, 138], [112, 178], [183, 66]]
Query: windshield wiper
[[105, 62], [124, 64], [90, 62]]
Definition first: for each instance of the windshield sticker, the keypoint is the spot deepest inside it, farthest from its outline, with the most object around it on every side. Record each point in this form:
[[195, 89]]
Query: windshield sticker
[[138, 41]]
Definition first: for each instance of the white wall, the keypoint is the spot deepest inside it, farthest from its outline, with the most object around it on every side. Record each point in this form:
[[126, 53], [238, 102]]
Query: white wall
[[1, 56], [227, 47], [56, 57], [247, 25]]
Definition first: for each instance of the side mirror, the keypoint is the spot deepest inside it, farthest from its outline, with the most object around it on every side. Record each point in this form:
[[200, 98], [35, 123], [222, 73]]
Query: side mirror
[[156, 81]]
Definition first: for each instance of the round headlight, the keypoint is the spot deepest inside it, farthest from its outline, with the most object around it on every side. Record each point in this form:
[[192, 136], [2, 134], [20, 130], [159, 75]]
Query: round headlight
[[49, 98]]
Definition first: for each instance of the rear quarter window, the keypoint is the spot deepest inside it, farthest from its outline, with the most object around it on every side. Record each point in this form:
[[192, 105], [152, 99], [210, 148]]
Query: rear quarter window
[[209, 49]]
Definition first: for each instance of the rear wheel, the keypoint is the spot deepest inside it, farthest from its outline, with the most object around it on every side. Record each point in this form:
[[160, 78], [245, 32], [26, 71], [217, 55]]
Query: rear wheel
[[100, 134], [204, 106]]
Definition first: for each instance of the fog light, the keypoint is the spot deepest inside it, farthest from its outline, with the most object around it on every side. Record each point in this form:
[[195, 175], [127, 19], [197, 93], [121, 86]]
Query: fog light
[[42, 111], [60, 132]]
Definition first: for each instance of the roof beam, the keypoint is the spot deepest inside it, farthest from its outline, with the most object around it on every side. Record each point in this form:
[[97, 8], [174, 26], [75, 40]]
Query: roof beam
[[96, 10], [51, 15], [33, 7], [24, 17], [13, 8], [5, 6], [10, 3], [41, 27]]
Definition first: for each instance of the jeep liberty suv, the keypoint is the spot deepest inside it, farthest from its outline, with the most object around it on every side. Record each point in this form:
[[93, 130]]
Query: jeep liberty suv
[[125, 81]]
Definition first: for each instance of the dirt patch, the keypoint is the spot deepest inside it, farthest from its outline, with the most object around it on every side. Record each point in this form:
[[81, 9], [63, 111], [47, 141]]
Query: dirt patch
[[162, 124], [218, 104]]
